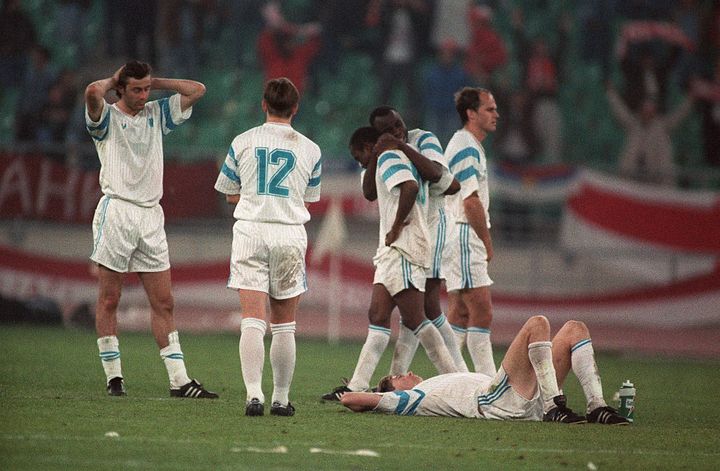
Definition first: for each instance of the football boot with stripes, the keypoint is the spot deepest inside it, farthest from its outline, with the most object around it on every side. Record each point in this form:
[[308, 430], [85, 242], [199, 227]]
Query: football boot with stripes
[[606, 415], [116, 387], [193, 390], [562, 413]]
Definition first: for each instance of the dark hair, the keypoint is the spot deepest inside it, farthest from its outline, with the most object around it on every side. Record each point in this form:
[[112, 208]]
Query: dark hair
[[468, 98], [380, 111], [363, 135], [133, 69], [281, 97], [385, 384]]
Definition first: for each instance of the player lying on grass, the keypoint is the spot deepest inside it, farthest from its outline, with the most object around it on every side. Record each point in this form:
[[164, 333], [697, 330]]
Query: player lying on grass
[[526, 387]]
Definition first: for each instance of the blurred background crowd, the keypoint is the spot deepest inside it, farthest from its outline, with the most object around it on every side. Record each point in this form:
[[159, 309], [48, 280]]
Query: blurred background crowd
[[630, 87]]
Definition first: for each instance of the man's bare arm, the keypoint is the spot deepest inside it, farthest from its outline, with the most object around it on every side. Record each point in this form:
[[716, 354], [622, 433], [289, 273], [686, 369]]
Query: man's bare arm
[[360, 401], [475, 214], [190, 91]]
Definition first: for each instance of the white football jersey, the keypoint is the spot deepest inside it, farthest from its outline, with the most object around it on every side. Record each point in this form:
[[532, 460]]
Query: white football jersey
[[130, 148], [447, 395], [429, 146], [275, 170], [466, 159], [394, 168]]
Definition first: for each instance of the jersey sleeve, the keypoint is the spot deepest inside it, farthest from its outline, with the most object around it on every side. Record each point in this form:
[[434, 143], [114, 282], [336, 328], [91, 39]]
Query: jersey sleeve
[[465, 167], [171, 114], [439, 187], [394, 168], [429, 146], [312, 192], [98, 130], [228, 181], [400, 402]]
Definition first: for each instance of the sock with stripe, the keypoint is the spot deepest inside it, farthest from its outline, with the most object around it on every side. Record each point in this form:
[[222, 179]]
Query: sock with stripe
[[375, 344], [405, 348], [282, 360], [460, 335], [434, 346], [582, 358], [174, 361], [252, 356], [448, 335], [480, 348], [540, 355], [109, 348]]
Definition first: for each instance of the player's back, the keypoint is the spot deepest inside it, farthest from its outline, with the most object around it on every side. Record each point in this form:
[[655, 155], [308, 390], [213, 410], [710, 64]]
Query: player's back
[[279, 169]]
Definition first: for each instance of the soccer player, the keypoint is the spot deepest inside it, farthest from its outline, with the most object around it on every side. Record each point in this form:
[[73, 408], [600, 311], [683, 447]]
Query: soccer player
[[271, 172], [526, 387], [400, 261], [425, 152], [128, 230], [469, 247]]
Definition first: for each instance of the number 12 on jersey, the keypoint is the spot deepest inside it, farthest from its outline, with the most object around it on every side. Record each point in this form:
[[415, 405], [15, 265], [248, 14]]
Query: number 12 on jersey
[[280, 163]]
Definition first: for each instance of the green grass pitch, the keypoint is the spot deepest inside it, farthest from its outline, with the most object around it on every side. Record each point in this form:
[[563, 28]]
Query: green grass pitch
[[55, 415]]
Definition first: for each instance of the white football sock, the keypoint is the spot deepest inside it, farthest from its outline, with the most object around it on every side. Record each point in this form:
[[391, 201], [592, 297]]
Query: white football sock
[[582, 358], [460, 336], [540, 355], [252, 356], [480, 348], [405, 348], [110, 356], [375, 344], [443, 326], [282, 360], [434, 346], [174, 361]]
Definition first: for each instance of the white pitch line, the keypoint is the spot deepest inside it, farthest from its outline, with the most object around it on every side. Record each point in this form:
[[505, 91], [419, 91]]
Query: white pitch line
[[251, 449]]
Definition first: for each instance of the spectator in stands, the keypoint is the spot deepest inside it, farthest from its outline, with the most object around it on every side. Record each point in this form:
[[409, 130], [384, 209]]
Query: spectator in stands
[[70, 23], [516, 141], [341, 31], [442, 79], [648, 151], [446, 16], [39, 77], [486, 51], [404, 27], [708, 92], [595, 32], [17, 38], [287, 49], [55, 114], [541, 72], [132, 25]]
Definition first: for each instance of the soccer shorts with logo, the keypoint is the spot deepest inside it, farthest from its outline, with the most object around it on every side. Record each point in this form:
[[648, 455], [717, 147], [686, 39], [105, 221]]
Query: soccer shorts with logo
[[465, 260], [128, 237], [395, 272], [269, 258], [501, 402]]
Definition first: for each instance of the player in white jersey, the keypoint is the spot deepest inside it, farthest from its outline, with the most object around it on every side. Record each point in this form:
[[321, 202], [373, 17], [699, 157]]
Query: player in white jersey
[[128, 225], [527, 386], [426, 153], [401, 259], [270, 172], [469, 248]]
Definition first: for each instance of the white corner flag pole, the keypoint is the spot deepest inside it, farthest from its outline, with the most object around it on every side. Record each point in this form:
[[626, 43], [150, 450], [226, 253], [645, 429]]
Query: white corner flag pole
[[330, 239]]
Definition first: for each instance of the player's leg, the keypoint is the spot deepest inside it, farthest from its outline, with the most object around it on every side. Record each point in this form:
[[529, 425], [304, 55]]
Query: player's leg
[[434, 312], [110, 287], [479, 306], [252, 348], [528, 364], [282, 352], [573, 349], [410, 302], [457, 318]]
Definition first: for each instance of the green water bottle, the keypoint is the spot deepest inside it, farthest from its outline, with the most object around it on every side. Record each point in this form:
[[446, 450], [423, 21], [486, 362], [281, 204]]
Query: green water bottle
[[627, 400]]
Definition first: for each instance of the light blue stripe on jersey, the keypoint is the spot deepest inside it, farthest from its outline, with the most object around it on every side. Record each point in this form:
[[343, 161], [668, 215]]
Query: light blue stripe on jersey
[[100, 131], [466, 274], [466, 153], [317, 168], [387, 156], [487, 399], [439, 244], [231, 154], [404, 407], [314, 181], [422, 145], [229, 173], [165, 113], [580, 344], [103, 212], [480, 330], [393, 170], [411, 410], [466, 174]]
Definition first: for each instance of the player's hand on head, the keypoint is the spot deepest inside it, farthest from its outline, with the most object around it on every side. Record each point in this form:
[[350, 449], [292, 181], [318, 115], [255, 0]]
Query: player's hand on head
[[386, 142]]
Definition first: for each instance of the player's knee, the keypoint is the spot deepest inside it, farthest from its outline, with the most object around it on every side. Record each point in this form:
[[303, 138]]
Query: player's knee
[[108, 302], [164, 305], [540, 324], [577, 328]]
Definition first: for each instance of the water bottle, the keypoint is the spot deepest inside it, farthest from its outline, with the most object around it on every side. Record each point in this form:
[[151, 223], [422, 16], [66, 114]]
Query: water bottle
[[627, 400]]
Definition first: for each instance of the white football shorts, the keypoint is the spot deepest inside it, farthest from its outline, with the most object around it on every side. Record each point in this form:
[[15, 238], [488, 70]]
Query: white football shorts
[[501, 402], [465, 262], [128, 237], [438, 234], [396, 273], [269, 258]]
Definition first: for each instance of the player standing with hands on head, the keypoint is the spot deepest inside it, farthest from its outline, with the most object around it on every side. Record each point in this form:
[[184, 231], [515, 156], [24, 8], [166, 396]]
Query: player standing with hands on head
[[128, 227], [469, 246], [270, 172]]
